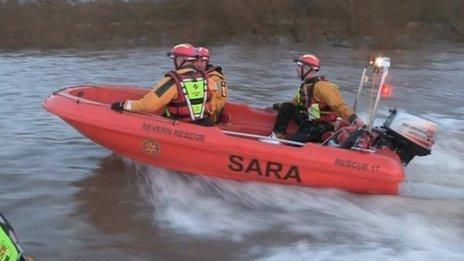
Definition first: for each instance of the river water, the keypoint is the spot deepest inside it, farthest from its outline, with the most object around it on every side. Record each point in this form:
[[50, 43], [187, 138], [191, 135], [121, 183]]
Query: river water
[[70, 199]]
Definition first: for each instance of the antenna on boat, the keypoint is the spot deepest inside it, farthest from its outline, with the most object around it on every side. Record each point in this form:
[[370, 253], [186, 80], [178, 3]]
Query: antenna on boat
[[361, 83], [379, 65]]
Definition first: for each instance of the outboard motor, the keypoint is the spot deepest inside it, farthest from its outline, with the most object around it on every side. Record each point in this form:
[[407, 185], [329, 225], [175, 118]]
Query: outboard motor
[[408, 135]]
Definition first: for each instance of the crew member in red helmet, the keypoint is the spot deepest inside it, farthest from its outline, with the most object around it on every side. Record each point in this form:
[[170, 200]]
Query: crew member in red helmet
[[216, 82], [315, 107], [182, 93]]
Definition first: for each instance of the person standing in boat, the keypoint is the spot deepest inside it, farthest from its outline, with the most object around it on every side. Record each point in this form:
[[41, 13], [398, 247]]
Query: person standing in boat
[[216, 83], [182, 93], [315, 107]]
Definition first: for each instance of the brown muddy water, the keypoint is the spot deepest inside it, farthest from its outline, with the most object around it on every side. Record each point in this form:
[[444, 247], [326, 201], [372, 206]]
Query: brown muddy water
[[70, 199]]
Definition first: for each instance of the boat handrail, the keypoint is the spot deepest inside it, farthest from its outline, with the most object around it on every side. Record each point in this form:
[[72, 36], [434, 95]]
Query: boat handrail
[[87, 101], [249, 135]]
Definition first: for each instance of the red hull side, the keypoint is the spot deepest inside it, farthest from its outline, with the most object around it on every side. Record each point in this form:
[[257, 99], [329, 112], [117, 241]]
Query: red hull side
[[190, 148]]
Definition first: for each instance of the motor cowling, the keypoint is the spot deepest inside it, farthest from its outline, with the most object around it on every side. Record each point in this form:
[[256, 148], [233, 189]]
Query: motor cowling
[[409, 135]]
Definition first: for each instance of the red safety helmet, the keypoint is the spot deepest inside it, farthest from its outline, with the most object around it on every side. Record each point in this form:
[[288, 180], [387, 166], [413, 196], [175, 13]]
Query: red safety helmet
[[203, 53], [309, 59], [185, 50]]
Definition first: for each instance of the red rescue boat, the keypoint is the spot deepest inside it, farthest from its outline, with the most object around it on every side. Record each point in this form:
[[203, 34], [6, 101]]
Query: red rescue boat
[[368, 160], [228, 150]]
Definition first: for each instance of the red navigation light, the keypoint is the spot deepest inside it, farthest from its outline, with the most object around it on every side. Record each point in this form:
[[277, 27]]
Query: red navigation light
[[386, 91]]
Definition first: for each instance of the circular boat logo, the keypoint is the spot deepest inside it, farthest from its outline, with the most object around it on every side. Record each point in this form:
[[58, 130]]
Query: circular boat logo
[[151, 147]]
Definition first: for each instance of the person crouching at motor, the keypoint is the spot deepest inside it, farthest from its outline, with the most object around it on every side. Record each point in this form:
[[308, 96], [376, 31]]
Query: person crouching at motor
[[216, 83], [315, 107], [182, 93]]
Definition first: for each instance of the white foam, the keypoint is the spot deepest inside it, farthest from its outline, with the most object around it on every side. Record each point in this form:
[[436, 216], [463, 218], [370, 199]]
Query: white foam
[[340, 225], [433, 191], [305, 251], [199, 206]]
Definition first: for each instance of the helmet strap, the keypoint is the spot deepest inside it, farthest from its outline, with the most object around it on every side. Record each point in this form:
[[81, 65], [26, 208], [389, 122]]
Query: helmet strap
[[175, 63], [177, 66], [303, 76]]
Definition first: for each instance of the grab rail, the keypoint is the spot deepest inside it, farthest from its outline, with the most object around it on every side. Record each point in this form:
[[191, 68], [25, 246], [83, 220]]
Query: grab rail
[[242, 134]]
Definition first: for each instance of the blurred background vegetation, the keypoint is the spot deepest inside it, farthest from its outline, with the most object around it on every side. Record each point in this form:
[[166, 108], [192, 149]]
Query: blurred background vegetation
[[379, 24]]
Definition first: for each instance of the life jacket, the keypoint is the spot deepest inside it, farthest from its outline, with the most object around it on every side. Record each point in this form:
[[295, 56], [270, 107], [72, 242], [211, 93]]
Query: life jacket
[[217, 71], [10, 249], [317, 111], [192, 95]]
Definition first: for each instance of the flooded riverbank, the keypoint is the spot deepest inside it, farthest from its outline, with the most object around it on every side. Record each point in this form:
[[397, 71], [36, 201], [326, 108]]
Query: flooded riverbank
[[393, 24]]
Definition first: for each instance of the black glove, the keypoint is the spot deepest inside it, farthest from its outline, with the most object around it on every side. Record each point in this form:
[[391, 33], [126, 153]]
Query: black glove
[[117, 106], [276, 106]]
